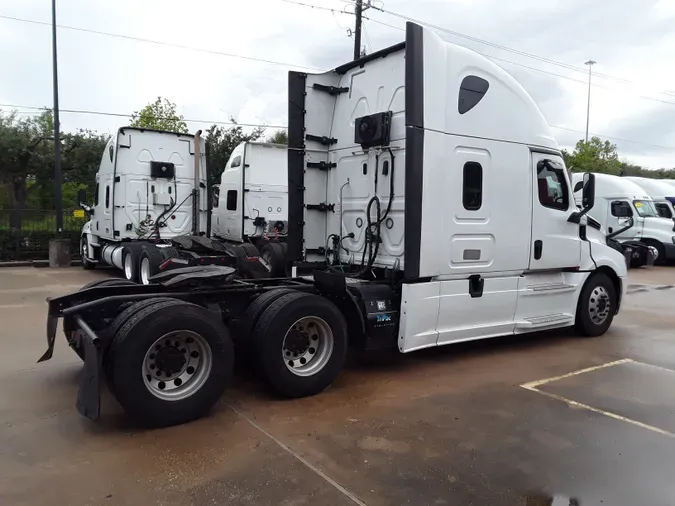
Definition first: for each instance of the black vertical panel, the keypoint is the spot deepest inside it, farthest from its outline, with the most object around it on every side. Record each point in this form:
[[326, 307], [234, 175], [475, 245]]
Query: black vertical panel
[[414, 148], [296, 163]]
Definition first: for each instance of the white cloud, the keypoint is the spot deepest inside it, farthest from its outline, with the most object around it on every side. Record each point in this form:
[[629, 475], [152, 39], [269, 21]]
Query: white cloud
[[629, 39]]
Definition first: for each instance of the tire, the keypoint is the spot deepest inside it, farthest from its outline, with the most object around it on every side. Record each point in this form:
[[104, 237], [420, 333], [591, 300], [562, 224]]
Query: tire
[[68, 324], [244, 329], [119, 322], [156, 402], [274, 259], [168, 252], [598, 288], [130, 270], [305, 312], [149, 260], [661, 258], [250, 249], [84, 250]]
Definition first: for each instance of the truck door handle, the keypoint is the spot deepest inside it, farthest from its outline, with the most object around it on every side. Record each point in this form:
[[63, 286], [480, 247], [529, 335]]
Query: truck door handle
[[538, 247]]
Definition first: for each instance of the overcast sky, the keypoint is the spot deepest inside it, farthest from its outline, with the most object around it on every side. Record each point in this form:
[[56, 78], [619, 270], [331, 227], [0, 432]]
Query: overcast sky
[[630, 39]]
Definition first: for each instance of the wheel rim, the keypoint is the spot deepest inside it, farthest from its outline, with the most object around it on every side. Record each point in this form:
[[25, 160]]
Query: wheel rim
[[128, 272], [599, 305], [177, 365], [145, 271], [85, 250], [307, 346]]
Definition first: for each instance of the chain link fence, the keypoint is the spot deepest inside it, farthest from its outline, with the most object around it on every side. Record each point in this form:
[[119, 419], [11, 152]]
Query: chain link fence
[[29, 238]]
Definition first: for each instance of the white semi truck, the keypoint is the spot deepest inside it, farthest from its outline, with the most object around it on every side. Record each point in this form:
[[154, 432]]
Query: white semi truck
[[618, 200], [662, 194], [151, 207], [489, 242]]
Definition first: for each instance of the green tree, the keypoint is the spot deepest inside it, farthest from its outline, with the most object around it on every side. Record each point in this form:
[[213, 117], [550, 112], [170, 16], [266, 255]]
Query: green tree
[[594, 156], [221, 142], [159, 115], [27, 163], [278, 137], [26, 158]]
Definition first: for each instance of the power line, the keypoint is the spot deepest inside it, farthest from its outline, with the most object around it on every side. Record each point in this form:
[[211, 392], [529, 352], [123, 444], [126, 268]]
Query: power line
[[318, 7], [512, 50], [160, 43], [36, 110], [561, 76]]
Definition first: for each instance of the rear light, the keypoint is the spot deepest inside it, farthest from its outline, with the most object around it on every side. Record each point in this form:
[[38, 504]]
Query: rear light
[[164, 264]]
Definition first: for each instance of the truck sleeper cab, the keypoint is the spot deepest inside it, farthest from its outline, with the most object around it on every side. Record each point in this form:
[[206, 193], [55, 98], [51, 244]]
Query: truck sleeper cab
[[402, 168]]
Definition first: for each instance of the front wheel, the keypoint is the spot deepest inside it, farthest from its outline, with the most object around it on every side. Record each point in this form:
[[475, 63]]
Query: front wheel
[[84, 251], [597, 306]]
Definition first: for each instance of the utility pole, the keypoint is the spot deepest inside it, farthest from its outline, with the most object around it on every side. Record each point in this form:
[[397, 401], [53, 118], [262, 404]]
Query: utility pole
[[357, 29], [57, 132], [590, 64]]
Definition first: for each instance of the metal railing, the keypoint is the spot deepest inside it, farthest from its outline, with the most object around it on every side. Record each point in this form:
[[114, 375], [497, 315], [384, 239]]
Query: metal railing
[[25, 233]]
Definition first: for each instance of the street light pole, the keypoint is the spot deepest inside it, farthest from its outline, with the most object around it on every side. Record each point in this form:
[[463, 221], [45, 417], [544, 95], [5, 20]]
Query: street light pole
[[590, 64], [57, 132]]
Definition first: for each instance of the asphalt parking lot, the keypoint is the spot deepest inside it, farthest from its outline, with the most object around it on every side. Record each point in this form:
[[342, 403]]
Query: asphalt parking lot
[[545, 419]]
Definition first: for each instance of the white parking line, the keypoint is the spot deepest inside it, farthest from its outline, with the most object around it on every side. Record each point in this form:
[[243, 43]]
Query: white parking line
[[532, 386], [307, 463]]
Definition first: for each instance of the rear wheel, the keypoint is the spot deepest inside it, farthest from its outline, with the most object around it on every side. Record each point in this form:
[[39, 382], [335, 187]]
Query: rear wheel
[[274, 259], [130, 262], [301, 343], [250, 249], [597, 306], [150, 260], [171, 363], [73, 336]]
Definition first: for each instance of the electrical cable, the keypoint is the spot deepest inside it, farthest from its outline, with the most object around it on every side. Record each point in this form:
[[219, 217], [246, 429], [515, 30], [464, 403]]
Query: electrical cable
[[157, 42]]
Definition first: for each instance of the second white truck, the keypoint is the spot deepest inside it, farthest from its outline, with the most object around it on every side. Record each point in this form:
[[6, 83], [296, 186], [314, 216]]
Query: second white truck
[[618, 199], [151, 207]]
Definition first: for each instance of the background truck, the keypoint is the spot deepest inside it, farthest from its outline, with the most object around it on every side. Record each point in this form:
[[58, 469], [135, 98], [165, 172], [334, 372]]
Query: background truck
[[489, 242], [619, 199], [662, 194], [152, 212]]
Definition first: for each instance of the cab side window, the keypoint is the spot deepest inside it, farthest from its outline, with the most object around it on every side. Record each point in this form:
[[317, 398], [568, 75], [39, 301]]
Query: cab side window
[[552, 186], [236, 162], [621, 209]]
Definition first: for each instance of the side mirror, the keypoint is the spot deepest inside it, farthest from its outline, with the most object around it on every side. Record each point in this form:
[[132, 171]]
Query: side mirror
[[588, 195], [578, 186]]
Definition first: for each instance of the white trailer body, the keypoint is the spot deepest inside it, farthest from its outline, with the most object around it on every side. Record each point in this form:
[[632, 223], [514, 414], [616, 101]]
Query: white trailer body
[[618, 199], [252, 197], [662, 194], [445, 159]]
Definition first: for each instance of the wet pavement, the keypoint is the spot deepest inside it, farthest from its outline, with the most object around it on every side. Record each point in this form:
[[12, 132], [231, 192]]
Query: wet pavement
[[545, 419]]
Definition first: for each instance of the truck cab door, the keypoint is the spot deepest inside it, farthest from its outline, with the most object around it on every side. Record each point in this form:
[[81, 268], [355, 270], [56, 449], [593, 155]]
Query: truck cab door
[[555, 241], [230, 209], [619, 212]]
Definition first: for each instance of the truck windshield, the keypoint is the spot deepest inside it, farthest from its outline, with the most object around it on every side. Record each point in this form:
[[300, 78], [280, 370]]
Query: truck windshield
[[645, 208]]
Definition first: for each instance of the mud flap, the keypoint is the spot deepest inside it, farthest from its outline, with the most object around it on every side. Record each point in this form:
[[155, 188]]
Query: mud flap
[[52, 323], [89, 395]]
